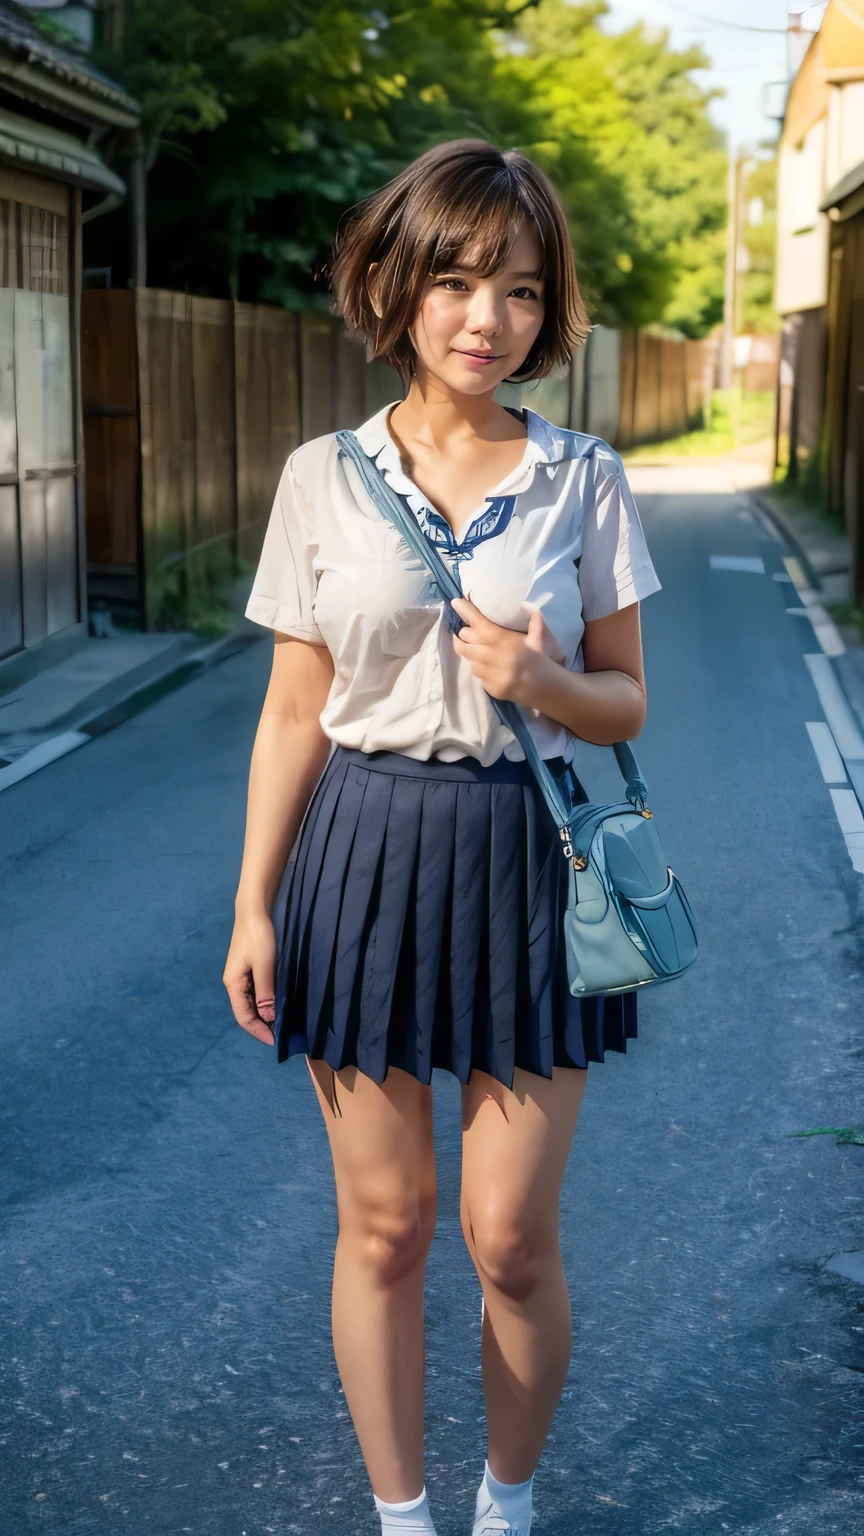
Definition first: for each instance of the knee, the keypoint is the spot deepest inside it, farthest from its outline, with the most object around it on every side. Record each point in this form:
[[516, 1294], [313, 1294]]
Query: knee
[[514, 1259], [393, 1242]]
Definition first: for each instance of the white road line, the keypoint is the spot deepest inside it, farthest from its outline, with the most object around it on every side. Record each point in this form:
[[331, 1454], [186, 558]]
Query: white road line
[[851, 825], [844, 727], [752, 563], [38, 757], [825, 629], [825, 747], [848, 811]]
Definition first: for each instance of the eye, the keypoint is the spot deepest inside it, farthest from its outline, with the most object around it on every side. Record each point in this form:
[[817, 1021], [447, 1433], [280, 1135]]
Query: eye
[[524, 293], [454, 284]]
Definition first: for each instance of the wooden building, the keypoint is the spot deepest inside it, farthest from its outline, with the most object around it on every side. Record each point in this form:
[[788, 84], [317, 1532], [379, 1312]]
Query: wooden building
[[822, 143], [66, 134], [844, 404]]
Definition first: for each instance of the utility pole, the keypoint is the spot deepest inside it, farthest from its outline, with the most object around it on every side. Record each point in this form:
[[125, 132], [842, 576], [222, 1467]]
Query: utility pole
[[727, 355]]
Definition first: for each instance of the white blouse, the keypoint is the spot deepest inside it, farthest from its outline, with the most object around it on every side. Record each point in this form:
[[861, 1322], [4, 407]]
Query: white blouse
[[560, 533]]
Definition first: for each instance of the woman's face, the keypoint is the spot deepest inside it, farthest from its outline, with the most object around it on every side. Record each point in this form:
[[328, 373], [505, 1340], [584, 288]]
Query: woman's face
[[472, 332]]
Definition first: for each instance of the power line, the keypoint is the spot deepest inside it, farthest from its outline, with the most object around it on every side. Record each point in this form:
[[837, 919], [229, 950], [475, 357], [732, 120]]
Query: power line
[[717, 21]]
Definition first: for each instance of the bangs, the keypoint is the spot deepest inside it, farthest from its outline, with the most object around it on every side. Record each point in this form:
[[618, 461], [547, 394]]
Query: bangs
[[478, 233]]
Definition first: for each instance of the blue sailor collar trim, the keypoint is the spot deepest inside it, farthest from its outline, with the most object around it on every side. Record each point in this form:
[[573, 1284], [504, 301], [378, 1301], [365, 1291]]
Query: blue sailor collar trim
[[546, 447]]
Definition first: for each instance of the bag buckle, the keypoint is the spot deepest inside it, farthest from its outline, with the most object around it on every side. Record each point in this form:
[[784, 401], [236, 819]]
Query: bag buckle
[[578, 860]]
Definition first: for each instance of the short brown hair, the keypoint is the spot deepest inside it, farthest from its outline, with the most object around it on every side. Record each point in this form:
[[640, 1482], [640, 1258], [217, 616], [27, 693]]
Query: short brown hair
[[461, 197]]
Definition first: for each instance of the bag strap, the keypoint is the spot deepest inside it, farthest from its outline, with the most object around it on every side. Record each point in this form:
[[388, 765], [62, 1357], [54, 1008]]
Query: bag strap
[[449, 586]]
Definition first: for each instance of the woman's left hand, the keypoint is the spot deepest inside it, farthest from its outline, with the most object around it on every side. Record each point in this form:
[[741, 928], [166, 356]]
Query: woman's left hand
[[508, 663]]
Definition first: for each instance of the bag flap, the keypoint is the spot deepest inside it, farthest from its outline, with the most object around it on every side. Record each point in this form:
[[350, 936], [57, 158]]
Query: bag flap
[[667, 932], [634, 857]]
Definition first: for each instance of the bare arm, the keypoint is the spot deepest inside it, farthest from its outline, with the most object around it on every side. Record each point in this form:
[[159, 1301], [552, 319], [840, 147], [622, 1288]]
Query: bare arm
[[603, 704], [288, 758]]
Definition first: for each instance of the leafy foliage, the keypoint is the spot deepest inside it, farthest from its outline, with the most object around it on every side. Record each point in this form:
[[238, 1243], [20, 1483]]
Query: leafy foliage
[[266, 119], [648, 224], [758, 235]]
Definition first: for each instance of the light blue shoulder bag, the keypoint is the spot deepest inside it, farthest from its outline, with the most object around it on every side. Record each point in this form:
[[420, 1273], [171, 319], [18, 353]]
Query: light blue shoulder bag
[[628, 922]]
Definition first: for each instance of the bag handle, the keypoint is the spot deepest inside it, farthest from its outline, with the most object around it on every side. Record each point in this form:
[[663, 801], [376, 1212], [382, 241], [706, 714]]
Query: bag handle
[[449, 586]]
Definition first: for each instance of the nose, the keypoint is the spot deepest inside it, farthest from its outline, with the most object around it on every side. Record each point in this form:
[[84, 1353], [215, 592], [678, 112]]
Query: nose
[[485, 312]]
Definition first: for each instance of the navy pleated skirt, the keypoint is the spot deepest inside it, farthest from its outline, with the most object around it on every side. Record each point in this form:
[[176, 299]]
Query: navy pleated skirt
[[423, 926]]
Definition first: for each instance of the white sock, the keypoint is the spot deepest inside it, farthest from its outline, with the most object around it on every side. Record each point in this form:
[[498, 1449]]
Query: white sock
[[413, 1518], [506, 1501]]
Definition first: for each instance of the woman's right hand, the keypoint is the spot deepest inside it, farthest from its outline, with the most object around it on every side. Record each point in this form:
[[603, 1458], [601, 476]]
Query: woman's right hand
[[249, 975]]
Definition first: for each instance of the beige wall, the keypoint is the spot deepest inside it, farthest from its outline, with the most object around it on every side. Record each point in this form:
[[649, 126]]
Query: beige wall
[[845, 131], [801, 280], [806, 172]]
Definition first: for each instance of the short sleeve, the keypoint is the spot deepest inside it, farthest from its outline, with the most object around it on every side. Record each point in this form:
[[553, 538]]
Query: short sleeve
[[615, 567], [283, 591]]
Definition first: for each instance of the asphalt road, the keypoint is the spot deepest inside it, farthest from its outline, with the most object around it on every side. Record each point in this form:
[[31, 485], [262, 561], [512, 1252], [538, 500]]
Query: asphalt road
[[167, 1198]]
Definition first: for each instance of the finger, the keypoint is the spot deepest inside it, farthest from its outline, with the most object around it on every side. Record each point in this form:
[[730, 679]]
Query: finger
[[264, 992], [541, 639], [472, 647], [534, 635], [471, 615], [241, 995]]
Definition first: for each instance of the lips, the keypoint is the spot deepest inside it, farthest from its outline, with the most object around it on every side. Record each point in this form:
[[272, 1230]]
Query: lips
[[481, 357]]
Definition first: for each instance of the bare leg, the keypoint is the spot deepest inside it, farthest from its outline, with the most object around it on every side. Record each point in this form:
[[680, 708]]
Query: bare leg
[[514, 1151], [383, 1159]]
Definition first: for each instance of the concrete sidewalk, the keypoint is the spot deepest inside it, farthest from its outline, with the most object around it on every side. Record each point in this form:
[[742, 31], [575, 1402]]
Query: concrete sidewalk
[[101, 684]]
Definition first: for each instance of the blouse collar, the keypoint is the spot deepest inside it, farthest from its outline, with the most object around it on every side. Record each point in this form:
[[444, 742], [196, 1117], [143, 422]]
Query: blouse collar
[[546, 444]]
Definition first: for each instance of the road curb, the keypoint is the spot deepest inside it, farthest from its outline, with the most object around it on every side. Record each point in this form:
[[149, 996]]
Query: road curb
[[846, 668], [785, 528], [138, 698]]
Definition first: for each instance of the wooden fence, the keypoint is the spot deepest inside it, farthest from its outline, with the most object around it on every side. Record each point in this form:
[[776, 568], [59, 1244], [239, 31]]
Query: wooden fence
[[192, 406], [628, 387]]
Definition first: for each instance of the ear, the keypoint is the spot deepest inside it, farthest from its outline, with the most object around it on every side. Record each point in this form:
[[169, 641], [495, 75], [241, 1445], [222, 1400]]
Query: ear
[[371, 289]]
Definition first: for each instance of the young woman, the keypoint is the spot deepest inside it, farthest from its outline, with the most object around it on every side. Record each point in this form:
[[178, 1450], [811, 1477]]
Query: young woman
[[423, 922]]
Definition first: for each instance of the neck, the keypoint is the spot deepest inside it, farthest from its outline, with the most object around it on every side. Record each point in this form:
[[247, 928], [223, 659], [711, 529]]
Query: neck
[[436, 415]]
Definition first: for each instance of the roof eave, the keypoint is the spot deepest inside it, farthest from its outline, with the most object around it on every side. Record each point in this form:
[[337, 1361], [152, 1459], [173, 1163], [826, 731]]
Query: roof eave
[[849, 184], [47, 89]]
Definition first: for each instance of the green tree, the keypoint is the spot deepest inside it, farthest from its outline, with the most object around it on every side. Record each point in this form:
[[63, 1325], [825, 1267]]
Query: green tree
[[649, 233], [265, 119]]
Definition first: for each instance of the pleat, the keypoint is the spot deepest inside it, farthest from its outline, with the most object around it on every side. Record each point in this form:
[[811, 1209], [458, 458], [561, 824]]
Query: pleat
[[432, 913], [309, 863], [387, 925], [318, 944], [361, 879], [289, 1023], [507, 890], [467, 922], [535, 1025]]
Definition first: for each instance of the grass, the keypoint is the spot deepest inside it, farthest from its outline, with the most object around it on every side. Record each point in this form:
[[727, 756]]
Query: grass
[[738, 420]]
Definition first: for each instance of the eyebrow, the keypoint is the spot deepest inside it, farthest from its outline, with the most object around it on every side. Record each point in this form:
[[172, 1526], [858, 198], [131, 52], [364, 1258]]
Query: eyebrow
[[457, 267]]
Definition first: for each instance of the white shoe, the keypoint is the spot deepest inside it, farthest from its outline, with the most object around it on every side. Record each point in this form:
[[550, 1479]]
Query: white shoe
[[491, 1524]]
